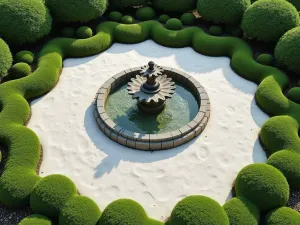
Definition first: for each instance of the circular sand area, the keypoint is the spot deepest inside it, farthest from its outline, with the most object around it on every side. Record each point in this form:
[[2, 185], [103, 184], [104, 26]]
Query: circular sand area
[[74, 146]]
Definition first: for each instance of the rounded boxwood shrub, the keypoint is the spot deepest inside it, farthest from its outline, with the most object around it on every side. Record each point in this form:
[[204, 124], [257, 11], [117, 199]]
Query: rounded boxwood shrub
[[68, 32], [294, 94], [5, 58], [265, 59], [174, 24], [36, 219], [50, 194], [241, 211], [79, 210], [127, 20], [188, 19], [76, 10], [123, 211], [220, 11], [198, 210], [215, 30], [145, 13], [263, 185], [179, 6], [288, 162], [283, 216], [84, 32], [25, 57], [287, 51], [164, 18], [31, 21], [115, 16], [128, 3], [20, 70], [268, 20]]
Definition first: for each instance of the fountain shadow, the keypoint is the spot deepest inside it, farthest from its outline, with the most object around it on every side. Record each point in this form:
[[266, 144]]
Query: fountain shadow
[[116, 153]]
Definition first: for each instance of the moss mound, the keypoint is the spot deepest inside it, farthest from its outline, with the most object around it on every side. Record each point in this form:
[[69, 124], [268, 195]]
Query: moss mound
[[198, 210], [283, 216], [164, 18], [287, 51], [268, 20], [241, 211], [263, 185], [76, 10], [68, 32], [234, 30], [20, 70], [288, 162], [115, 16], [84, 32], [215, 30], [127, 20], [294, 94], [50, 194], [123, 212], [219, 11], [174, 24], [188, 19], [36, 219], [128, 3], [265, 59], [179, 6], [145, 13], [31, 21], [5, 58], [25, 57], [79, 210]]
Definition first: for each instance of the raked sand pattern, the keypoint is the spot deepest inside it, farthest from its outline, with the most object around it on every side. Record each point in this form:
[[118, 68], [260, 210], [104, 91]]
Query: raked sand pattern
[[74, 146]]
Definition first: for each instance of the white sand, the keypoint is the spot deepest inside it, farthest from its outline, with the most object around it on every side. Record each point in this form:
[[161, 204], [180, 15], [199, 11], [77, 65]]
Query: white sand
[[105, 171]]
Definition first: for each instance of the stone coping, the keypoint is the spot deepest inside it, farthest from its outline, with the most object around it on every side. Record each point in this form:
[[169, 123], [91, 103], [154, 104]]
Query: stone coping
[[152, 142]]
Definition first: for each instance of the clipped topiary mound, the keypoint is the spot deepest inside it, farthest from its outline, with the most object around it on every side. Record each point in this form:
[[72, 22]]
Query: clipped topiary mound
[[188, 19], [263, 185], [76, 10], [283, 216], [5, 58], [84, 32], [164, 18], [215, 30], [294, 94], [128, 3], [219, 11], [174, 24], [233, 30], [288, 163], [68, 32], [25, 57], [287, 51], [50, 194], [241, 211], [127, 20], [268, 20], [79, 210], [145, 13], [265, 59], [123, 211], [179, 6], [36, 219], [31, 21], [198, 210], [20, 70], [115, 16]]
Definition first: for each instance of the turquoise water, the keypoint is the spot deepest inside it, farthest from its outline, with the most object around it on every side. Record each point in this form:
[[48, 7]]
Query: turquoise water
[[179, 111]]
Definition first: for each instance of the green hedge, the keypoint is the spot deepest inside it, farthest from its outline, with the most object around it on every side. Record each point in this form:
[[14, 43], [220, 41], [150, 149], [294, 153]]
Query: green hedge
[[294, 94], [219, 11], [263, 185], [36, 219], [174, 24], [84, 32], [215, 30], [5, 58], [128, 3], [79, 210], [115, 16], [268, 20], [241, 211], [178, 6], [265, 59], [283, 216], [145, 13], [31, 21], [127, 20], [287, 51], [25, 57], [188, 19], [163, 18], [68, 32], [20, 70], [198, 210], [76, 10]]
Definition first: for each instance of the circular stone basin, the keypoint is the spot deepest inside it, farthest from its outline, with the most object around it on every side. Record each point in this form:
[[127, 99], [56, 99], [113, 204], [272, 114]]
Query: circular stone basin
[[185, 116]]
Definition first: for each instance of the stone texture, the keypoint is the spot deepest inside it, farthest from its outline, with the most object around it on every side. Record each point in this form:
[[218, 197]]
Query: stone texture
[[142, 145], [155, 146]]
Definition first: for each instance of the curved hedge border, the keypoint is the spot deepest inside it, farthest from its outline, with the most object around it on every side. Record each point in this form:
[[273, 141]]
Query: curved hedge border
[[19, 178]]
